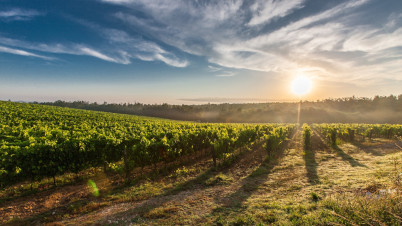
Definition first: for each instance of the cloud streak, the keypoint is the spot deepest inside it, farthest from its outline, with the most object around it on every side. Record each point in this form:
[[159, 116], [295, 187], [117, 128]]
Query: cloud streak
[[263, 11], [138, 48], [18, 14], [22, 53], [119, 46], [58, 48], [133, 47], [335, 39], [94, 53], [220, 72], [263, 36], [143, 50]]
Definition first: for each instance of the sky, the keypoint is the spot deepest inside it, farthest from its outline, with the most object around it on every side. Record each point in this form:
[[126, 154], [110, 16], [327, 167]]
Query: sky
[[198, 51]]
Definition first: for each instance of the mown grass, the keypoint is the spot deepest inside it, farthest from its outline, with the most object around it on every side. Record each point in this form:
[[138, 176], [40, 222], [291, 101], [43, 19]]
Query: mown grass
[[344, 195]]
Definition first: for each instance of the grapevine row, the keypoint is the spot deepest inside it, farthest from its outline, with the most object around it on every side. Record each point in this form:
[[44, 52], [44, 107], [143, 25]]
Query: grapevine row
[[350, 132], [42, 141]]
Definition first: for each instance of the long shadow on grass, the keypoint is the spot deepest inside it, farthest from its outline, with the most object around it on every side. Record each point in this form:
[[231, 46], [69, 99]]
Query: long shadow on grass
[[380, 149], [144, 209], [309, 158], [311, 166], [54, 214], [252, 182], [347, 158], [368, 149]]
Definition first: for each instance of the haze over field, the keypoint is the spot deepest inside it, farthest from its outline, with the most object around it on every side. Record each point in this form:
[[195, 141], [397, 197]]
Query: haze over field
[[155, 51], [347, 110]]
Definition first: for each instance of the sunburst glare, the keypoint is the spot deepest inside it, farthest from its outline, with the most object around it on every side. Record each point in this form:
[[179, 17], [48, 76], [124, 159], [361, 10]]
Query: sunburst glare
[[301, 85]]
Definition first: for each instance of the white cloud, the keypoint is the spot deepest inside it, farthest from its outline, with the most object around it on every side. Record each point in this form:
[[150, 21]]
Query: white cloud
[[336, 41], [171, 60], [140, 49], [22, 53], [213, 68], [94, 53], [266, 10], [220, 72], [18, 14], [121, 47], [132, 47], [58, 48], [326, 40], [226, 74], [188, 25], [372, 40]]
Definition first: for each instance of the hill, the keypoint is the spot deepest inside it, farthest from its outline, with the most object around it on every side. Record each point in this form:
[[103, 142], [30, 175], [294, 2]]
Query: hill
[[379, 109]]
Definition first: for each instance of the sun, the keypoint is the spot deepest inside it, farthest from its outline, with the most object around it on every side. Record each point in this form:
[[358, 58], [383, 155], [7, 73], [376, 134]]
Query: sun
[[301, 85]]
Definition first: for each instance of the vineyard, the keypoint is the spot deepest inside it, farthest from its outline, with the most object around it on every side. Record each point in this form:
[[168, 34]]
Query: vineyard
[[43, 141], [230, 162], [358, 132]]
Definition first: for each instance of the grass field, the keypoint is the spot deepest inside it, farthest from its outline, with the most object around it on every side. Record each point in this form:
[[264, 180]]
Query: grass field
[[351, 183]]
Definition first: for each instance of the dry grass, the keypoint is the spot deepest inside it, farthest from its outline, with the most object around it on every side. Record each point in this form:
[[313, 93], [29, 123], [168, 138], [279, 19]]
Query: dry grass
[[342, 185]]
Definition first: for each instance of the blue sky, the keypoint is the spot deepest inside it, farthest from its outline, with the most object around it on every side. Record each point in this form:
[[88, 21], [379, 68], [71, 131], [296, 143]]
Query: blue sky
[[156, 51]]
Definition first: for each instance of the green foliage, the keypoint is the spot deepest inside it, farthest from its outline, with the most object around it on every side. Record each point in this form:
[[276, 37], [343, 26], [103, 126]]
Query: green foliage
[[349, 132], [306, 137], [276, 137], [39, 141]]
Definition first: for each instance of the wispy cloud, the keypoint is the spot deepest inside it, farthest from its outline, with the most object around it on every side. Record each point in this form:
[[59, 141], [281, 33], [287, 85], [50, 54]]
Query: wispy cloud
[[263, 11], [335, 40], [220, 72], [18, 14], [94, 53], [140, 48], [58, 48], [264, 35], [214, 69], [119, 48], [22, 53], [146, 51], [128, 47], [226, 74]]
